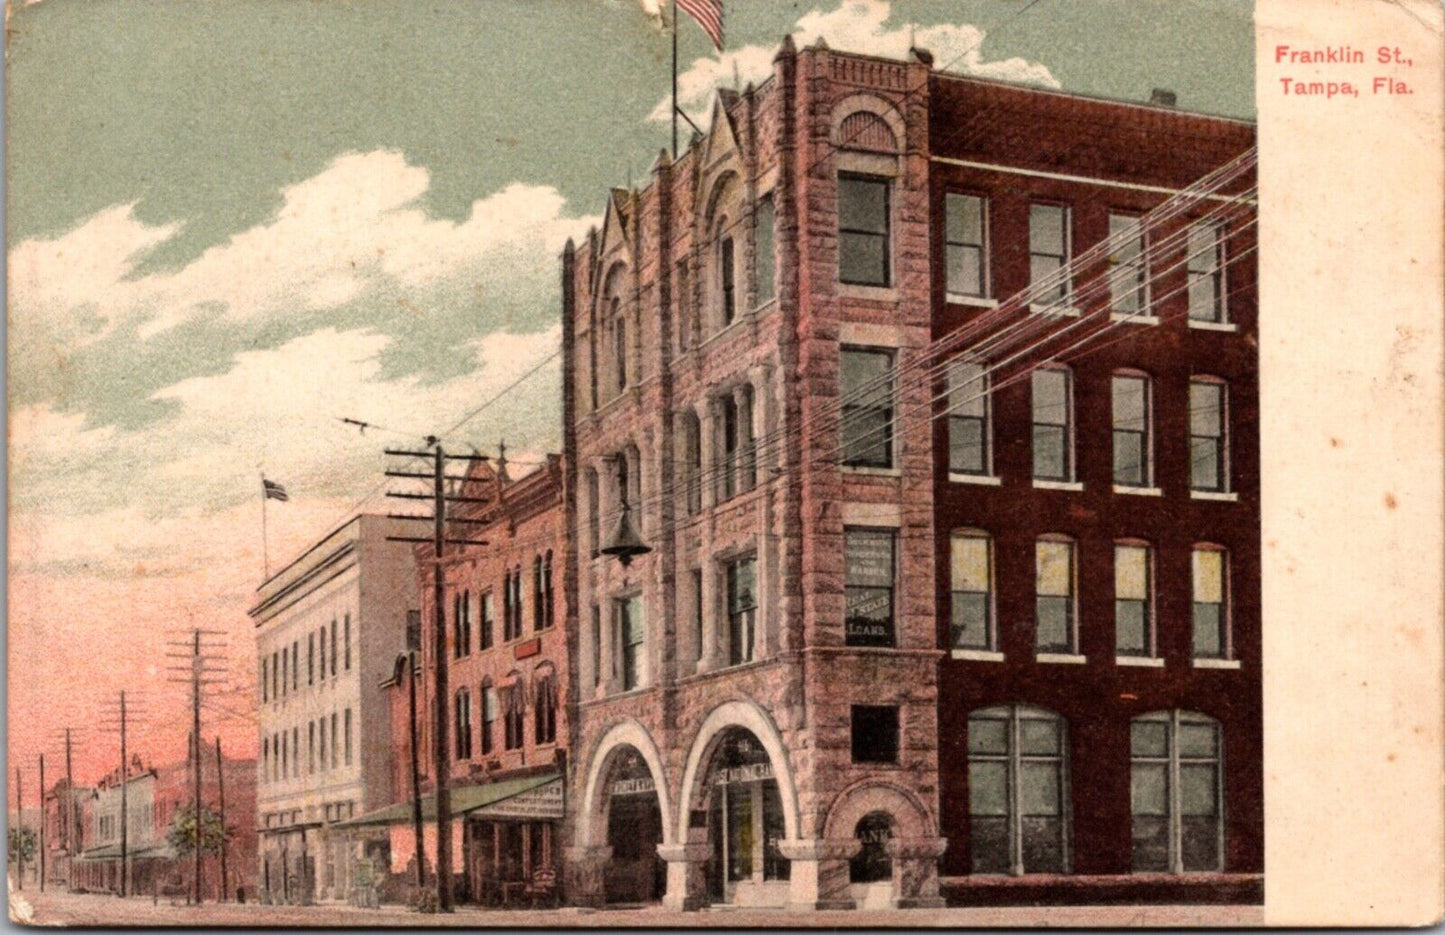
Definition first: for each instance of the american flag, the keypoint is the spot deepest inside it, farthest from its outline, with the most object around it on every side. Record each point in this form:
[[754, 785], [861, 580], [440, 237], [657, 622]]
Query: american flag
[[709, 15], [274, 491]]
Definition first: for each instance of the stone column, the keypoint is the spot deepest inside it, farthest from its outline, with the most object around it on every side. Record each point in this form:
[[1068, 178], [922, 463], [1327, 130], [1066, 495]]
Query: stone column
[[915, 871], [710, 654], [769, 570], [584, 874], [686, 875], [818, 877], [707, 411], [744, 467]]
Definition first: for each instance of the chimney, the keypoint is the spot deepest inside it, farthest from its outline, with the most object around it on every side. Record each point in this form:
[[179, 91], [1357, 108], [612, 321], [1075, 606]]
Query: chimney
[[1163, 97]]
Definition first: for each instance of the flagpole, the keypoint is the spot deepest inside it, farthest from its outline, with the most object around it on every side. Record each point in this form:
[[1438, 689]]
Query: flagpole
[[265, 540], [674, 81]]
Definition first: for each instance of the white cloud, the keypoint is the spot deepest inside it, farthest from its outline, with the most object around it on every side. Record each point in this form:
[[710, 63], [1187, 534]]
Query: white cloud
[[855, 26]]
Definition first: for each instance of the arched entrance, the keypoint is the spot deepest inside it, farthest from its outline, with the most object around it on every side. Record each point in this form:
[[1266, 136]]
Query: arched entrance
[[744, 823], [894, 845], [635, 873]]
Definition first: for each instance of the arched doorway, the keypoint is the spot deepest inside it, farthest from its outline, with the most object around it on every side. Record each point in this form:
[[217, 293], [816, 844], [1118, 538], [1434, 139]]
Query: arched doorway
[[744, 823], [872, 863], [635, 873]]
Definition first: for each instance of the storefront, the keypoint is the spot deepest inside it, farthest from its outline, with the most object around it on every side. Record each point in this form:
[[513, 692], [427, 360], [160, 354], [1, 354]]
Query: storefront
[[745, 824], [635, 873]]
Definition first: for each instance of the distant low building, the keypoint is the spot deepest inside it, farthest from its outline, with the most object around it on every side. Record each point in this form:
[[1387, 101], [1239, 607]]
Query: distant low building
[[64, 830]]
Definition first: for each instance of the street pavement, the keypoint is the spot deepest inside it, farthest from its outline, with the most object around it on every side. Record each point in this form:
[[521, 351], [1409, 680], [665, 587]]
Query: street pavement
[[60, 908]]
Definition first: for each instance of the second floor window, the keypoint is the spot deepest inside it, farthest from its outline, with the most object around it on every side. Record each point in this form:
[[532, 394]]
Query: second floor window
[[632, 640], [1208, 464], [1132, 444], [489, 714], [742, 610], [1133, 601], [1049, 254], [863, 235], [767, 263], [870, 569], [1211, 613], [1206, 273], [539, 614], [1126, 266], [461, 624], [968, 428], [965, 253], [484, 619], [1053, 425], [1057, 629], [464, 724], [866, 387], [727, 278], [972, 591], [513, 715], [545, 709]]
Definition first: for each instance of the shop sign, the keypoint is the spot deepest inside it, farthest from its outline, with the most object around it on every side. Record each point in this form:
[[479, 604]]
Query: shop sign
[[634, 786], [751, 772], [542, 802]]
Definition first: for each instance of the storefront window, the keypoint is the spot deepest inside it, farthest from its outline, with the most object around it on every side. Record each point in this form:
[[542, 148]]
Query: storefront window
[[869, 577]]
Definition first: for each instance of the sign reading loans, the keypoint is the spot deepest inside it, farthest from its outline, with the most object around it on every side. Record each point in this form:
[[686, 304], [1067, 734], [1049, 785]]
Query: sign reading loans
[[868, 575]]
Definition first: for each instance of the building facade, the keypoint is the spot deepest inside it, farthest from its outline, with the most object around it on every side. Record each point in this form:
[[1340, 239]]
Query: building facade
[[797, 692], [64, 830], [328, 626]]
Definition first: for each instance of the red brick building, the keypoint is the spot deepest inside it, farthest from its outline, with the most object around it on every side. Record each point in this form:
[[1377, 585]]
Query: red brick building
[[782, 701], [508, 673]]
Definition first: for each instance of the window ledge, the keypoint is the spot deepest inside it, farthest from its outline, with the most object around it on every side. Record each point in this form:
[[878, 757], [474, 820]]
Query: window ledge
[[851, 290], [988, 480], [1073, 485], [977, 655], [1148, 662], [1054, 311], [1216, 663], [1131, 318], [1061, 658], [1226, 326], [872, 471], [976, 301], [1138, 491], [1218, 496]]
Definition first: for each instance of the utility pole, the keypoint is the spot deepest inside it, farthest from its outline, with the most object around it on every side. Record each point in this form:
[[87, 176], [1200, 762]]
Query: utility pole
[[69, 824], [221, 804], [20, 823], [192, 672], [41, 797], [439, 541], [416, 827], [124, 790]]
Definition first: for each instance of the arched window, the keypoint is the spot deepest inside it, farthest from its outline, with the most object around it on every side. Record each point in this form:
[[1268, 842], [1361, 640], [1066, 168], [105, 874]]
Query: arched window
[[873, 863], [463, 717], [544, 704], [489, 714], [1177, 793], [614, 315], [1018, 780], [722, 259], [514, 703]]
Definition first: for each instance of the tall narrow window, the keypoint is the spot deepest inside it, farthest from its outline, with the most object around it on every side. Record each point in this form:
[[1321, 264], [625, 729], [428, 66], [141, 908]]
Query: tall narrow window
[[513, 705], [460, 645], [742, 610], [321, 652], [870, 566], [484, 619], [972, 591], [310, 747], [697, 611], [1205, 264], [965, 252], [347, 745], [767, 263], [1049, 254], [729, 448], [1208, 454], [1053, 407], [619, 344], [295, 752], [596, 645], [296, 665], [347, 641], [1127, 279], [1132, 443], [1177, 795], [727, 278], [1057, 630], [265, 679], [968, 422], [335, 740], [594, 513], [863, 235], [632, 637], [866, 387], [1018, 791], [333, 646], [1211, 611], [321, 743], [692, 461], [1133, 601], [538, 604], [548, 604], [462, 710], [544, 708], [311, 659], [489, 714]]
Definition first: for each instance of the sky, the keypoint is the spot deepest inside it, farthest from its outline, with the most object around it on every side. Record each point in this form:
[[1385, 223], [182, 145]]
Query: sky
[[230, 224]]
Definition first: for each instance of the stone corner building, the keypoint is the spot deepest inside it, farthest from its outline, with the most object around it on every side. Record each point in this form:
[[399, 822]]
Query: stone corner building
[[762, 696]]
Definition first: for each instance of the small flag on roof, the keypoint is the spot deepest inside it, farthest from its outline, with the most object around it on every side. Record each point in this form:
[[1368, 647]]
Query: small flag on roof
[[274, 491]]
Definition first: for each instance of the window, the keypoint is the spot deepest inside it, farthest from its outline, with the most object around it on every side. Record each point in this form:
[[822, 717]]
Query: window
[[875, 734], [619, 343], [538, 604], [727, 278], [489, 714], [333, 646], [513, 705], [1018, 791], [1054, 596], [484, 619], [295, 665], [1132, 441], [549, 610], [767, 264], [336, 739], [461, 624], [632, 637], [869, 572], [295, 752], [965, 250], [462, 714], [866, 388], [863, 250], [348, 640], [321, 743], [347, 745], [734, 452], [697, 610], [310, 747], [596, 645], [1206, 273], [1053, 414], [512, 605], [321, 652], [1211, 614], [968, 422], [692, 461], [266, 757], [972, 591], [311, 659], [275, 676], [742, 610], [1049, 254], [265, 679], [872, 863], [1208, 457], [544, 709], [1133, 601], [1176, 793], [1127, 279], [594, 512]]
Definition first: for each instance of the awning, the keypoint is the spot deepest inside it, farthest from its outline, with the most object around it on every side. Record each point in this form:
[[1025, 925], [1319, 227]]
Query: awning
[[493, 797], [112, 852]]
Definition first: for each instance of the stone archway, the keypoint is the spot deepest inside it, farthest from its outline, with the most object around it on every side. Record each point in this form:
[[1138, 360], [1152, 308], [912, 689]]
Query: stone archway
[[912, 846]]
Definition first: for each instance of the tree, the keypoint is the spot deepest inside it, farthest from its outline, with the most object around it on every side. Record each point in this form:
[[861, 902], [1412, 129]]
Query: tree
[[22, 845], [183, 834]]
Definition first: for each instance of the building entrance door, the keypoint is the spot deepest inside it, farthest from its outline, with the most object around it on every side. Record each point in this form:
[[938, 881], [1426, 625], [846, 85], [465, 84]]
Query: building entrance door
[[745, 823], [636, 873]]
